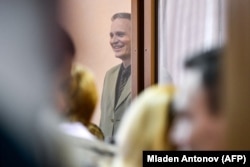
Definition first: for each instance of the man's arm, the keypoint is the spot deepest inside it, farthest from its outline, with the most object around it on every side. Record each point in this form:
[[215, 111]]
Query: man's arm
[[102, 101]]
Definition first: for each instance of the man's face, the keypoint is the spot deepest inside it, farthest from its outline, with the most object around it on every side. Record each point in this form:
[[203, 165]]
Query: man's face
[[202, 121], [207, 130], [120, 38]]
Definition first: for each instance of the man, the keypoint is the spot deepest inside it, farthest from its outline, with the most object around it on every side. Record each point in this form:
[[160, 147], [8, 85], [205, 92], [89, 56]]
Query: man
[[116, 95], [203, 117]]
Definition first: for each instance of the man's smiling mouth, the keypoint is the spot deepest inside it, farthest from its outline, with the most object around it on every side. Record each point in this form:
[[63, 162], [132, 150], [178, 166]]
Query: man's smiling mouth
[[117, 47]]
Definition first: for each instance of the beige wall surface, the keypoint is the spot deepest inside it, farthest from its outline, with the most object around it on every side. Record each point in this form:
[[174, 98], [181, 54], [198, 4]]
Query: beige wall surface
[[88, 22]]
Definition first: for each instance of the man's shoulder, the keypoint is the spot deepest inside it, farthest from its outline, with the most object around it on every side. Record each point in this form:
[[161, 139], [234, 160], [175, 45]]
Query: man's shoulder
[[113, 69]]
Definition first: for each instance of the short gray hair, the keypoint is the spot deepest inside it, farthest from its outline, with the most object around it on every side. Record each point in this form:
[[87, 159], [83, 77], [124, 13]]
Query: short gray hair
[[121, 16]]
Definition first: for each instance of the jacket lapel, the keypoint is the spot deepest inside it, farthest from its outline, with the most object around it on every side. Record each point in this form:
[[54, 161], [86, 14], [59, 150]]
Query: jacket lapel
[[113, 80], [126, 91]]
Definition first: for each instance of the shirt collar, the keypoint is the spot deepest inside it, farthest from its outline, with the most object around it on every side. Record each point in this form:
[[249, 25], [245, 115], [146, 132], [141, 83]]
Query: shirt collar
[[128, 69]]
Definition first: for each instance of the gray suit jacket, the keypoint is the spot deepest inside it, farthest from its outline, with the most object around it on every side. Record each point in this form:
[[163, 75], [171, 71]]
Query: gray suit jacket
[[111, 115]]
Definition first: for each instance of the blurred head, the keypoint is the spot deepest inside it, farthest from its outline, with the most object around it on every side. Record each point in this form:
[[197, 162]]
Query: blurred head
[[83, 94], [203, 112], [145, 125], [120, 35], [62, 64]]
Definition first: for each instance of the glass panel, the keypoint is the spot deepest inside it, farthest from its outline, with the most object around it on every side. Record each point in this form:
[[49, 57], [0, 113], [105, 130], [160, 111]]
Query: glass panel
[[186, 28]]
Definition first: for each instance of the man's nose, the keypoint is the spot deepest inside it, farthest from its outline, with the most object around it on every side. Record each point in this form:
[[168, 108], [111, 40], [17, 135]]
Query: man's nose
[[113, 40]]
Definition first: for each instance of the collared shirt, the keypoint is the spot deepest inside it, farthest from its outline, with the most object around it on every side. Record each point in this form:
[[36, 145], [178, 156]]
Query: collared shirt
[[122, 79], [76, 129]]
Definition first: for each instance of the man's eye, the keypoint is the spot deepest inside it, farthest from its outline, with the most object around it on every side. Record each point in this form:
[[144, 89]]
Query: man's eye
[[111, 35], [120, 34]]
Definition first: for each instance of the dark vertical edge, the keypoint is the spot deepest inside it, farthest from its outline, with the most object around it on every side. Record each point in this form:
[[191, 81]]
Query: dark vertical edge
[[137, 8], [149, 42], [156, 41]]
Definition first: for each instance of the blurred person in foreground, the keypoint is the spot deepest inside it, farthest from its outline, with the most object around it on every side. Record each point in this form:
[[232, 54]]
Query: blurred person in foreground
[[83, 98], [80, 98], [77, 97], [32, 53], [203, 113], [145, 126]]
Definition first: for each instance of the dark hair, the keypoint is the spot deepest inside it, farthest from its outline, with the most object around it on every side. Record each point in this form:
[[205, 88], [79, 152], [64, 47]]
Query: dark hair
[[67, 43], [63, 48], [121, 16], [209, 64]]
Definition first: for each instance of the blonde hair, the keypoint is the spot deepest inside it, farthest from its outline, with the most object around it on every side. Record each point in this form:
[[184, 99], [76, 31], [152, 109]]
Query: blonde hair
[[83, 94], [145, 126], [96, 131]]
